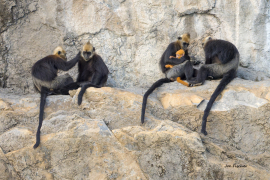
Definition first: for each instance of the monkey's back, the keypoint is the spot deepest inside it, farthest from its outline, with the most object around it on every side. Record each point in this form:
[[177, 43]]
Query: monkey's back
[[225, 51], [44, 68]]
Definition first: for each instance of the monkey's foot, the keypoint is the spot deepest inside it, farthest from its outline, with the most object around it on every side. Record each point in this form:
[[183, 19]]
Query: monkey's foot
[[197, 84], [196, 62], [210, 78], [168, 66], [204, 132]]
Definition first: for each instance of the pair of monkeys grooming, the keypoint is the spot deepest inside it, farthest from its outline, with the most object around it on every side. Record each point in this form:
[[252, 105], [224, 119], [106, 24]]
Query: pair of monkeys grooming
[[221, 62], [93, 72]]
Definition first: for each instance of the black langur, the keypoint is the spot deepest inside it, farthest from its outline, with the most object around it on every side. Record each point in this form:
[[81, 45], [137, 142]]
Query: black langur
[[221, 61], [93, 72], [45, 79], [184, 72], [181, 43]]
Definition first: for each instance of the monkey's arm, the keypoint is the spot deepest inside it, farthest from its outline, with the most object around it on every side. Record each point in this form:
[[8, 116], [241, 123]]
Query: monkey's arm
[[95, 82], [66, 65], [96, 79], [168, 66], [176, 61]]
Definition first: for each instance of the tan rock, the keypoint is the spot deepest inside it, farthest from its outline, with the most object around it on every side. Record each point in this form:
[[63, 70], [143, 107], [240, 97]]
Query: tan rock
[[104, 138]]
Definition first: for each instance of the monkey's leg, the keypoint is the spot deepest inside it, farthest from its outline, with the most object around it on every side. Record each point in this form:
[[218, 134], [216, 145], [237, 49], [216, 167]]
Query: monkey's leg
[[177, 71], [188, 68], [227, 78], [44, 94], [200, 78], [65, 90], [149, 91], [83, 89], [103, 81], [95, 81]]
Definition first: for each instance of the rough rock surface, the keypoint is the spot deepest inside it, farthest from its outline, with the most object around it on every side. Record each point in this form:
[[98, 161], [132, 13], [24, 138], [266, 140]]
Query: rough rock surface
[[104, 139], [130, 35]]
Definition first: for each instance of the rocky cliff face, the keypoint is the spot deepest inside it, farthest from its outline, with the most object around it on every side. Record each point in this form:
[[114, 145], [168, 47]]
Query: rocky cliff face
[[129, 35], [104, 139]]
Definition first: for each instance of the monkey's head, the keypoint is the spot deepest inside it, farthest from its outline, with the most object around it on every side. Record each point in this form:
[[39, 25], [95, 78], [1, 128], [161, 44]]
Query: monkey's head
[[60, 52], [88, 51], [205, 40], [183, 41]]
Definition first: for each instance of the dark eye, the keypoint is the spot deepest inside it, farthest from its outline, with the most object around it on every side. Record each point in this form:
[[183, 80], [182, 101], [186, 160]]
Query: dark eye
[[88, 53], [185, 44], [59, 52]]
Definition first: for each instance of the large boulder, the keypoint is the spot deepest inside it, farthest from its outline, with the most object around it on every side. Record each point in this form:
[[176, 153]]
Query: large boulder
[[104, 138]]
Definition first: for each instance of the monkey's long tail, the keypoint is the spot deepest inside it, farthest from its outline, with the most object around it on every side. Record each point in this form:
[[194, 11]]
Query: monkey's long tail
[[227, 78], [83, 89], [43, 97], [149, 91]]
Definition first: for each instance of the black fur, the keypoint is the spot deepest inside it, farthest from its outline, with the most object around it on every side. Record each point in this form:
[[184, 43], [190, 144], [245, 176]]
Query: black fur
[[46, 70], [223, 50], [83, 89], [227, 78], [171, 51], [149, 91], [165, 59], [44, 93], [221, 61], [94, 72]]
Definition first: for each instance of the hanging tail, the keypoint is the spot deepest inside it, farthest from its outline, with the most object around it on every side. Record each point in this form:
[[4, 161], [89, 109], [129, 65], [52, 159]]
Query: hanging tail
[[149, 91], [83, 89], [227, 78], [44, 94]]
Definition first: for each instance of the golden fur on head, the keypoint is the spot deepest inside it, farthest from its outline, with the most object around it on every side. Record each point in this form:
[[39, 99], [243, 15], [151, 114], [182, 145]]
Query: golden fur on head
[[207, 39], [60, 52], [186, 37], [183, 41], [88, 51]]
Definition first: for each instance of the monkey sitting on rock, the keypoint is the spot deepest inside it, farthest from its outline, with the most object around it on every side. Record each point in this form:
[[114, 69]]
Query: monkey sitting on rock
[[186, 70], [93, 72], [45, 79], [221, 62]]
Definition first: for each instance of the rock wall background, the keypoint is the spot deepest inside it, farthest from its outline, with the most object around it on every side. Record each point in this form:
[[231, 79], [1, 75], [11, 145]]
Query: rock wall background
[[129, 35]]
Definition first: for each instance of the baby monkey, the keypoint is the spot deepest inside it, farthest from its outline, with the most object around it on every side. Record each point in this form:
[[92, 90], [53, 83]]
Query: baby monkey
[[179, 54]]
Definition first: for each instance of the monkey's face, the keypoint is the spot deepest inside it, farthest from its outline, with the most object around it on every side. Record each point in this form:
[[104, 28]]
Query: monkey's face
[[205, 40], [60, 52], [184, 41], [88, 51]]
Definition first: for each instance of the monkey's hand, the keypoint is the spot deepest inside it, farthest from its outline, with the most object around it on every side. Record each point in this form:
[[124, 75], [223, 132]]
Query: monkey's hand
[[196, 62], [168, 66], [192, 85], [79, 54], [171, 57]]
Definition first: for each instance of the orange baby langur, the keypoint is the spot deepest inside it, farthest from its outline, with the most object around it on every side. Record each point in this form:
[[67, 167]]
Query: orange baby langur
[[179, 54]]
